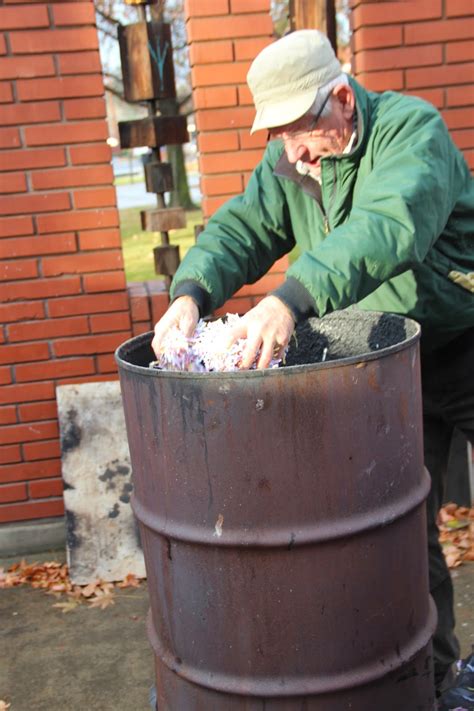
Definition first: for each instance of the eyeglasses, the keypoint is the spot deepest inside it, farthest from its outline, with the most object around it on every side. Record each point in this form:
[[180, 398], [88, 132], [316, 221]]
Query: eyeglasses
[[290, 135]]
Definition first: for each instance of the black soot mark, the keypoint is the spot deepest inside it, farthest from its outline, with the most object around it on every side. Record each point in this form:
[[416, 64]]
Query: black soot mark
[[136, 530], [114, 512], [71, 433], [126, 491], [73, 541], [113, 470]]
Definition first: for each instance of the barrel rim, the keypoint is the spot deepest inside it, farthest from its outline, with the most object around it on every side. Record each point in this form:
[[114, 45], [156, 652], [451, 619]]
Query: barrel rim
[[266, 372]]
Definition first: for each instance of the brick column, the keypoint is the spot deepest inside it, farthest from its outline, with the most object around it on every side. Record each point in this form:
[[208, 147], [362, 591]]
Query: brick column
[[64, 307], [224, 36], [421, 47]]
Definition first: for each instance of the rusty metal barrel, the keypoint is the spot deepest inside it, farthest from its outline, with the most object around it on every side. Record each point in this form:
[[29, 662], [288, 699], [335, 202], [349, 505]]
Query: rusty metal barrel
[[283, 523]]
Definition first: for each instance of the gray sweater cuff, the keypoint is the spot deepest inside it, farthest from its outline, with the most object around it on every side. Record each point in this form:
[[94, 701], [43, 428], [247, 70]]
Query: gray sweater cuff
[[297, 298]]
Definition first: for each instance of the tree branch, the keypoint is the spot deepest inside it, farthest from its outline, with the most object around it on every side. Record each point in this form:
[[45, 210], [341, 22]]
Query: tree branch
[[113, 91], [115, 77], [119, 95], [184, 100], [107, 33], [106, 17]]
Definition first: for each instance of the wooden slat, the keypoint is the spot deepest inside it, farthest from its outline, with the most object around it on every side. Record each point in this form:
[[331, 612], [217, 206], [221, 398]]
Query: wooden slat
[[197, 231], [158, 178], [147, 61], [166, 259], [154, 131], [169, 218]]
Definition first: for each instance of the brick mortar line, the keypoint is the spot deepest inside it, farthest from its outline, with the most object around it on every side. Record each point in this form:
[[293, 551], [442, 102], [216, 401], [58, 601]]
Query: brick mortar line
[[8, 44], [50, 12], [36, 501]]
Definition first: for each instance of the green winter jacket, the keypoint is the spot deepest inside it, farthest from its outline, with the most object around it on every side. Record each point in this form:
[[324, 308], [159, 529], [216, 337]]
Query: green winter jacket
[[391, 228]]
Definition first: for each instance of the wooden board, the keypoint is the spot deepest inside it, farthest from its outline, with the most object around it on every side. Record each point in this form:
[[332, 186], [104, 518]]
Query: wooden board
[[158, 177], [166, 259], [197, 231], [163, 220], [154, 131], [146, 56]]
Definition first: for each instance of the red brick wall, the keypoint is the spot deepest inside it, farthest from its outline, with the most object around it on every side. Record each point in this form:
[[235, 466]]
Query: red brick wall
[[64, 307], [63, 302], [422, 47], [224, 36]]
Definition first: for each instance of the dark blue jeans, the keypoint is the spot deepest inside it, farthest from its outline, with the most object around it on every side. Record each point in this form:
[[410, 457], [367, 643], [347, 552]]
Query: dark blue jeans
[[448, 402]]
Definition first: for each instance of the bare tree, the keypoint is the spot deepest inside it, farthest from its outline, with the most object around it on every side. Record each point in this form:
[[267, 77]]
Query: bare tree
[[112, 13]]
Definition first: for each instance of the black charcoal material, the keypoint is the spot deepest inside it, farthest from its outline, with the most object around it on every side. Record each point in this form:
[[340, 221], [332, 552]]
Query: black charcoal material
[[343, 335]]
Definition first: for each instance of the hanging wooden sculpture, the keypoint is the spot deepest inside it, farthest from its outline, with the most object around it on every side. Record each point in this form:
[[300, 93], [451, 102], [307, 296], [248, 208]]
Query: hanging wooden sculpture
[[148, 76]]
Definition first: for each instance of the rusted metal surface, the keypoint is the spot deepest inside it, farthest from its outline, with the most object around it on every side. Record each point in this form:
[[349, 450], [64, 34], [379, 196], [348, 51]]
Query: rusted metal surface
[[283, 528]]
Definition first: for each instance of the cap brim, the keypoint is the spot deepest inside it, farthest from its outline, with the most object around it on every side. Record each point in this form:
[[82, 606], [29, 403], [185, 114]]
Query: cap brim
[[284, 112]]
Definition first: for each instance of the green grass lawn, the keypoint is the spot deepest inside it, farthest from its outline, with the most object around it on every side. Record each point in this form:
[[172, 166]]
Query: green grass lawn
[[138, 245]]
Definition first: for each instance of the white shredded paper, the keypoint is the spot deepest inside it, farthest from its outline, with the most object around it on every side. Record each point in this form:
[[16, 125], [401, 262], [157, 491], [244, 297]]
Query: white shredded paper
[[206, 350]]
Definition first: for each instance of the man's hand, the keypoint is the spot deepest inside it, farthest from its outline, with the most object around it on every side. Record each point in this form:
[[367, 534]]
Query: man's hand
[[269, 327], [182, 313]]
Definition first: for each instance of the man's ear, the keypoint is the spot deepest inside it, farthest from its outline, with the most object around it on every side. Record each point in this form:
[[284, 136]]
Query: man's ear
[[345, 96]]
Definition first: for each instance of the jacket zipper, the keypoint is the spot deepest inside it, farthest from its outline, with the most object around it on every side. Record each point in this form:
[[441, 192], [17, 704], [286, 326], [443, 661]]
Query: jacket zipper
[[333, 190], [326, 224], [325, 214]]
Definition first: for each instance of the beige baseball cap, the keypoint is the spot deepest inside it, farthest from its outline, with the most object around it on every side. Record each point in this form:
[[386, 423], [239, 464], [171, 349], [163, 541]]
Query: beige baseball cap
[[285, 77]]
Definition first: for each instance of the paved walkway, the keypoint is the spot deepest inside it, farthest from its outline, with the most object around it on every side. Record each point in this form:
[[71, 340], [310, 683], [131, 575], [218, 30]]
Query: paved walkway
[[100, 660]]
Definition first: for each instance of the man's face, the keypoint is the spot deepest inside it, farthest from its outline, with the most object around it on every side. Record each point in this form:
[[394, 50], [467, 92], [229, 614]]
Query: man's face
[[309, 141]]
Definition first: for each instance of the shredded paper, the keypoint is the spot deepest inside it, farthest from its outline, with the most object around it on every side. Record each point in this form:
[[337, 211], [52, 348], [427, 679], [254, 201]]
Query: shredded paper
[[206, 350]]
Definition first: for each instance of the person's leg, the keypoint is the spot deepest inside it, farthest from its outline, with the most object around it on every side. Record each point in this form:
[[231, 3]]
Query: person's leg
[[437, 437], [448, 401]]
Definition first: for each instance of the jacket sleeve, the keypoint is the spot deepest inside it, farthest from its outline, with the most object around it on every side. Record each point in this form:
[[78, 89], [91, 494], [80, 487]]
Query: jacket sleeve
[[240, 243], [398, 211]]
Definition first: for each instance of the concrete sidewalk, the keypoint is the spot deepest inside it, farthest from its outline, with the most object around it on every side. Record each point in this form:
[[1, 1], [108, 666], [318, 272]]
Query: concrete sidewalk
[[100, 660]]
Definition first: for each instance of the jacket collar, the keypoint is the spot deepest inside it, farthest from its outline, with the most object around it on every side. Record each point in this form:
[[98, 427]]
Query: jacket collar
[[285, 169]]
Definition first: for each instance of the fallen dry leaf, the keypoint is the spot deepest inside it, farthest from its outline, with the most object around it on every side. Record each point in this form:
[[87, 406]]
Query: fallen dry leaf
[[102, 599], [89, 590], [68, 606], [53, 578], [456, 536], [130, 581]]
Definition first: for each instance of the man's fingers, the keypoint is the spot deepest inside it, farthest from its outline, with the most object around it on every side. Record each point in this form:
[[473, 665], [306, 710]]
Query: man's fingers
[[250, 352], [183, 313], [239, 331], [156, 345], [187, 325], [266, 354]]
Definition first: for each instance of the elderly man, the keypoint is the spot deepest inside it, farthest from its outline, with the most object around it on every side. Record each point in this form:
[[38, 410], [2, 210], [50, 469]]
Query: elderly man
[[381, 204]]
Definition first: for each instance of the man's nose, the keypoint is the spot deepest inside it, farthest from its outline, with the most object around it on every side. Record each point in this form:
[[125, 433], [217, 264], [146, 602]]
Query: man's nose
[[295, 150]]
